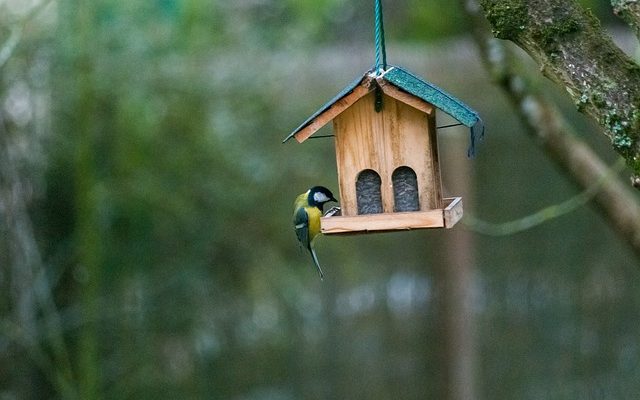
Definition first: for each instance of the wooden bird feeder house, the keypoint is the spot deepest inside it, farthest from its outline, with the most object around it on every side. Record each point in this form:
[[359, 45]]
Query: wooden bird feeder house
[[386, 146]]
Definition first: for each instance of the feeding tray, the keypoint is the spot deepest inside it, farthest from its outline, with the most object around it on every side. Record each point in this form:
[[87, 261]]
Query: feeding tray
[[445, 217]]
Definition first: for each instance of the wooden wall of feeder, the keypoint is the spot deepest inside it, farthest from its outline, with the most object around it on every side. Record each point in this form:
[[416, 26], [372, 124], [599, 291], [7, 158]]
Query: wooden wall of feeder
[[386, 146]]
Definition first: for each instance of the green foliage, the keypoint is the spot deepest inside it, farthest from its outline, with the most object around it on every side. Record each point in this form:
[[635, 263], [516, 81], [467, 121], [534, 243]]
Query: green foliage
[[430, 20]]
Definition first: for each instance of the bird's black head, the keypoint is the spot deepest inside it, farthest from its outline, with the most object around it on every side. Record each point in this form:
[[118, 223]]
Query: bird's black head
[[318, 195]]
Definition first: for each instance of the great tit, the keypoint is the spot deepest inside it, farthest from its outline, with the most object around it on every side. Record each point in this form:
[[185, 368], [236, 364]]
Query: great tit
[[307, 210]]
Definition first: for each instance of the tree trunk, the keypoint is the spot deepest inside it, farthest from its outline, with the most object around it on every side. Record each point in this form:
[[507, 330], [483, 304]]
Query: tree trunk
[[87, 228], [456, 280]]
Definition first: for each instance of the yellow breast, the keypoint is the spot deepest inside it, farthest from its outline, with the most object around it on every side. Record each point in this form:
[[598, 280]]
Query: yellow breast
[[314, 221], [313, 213]]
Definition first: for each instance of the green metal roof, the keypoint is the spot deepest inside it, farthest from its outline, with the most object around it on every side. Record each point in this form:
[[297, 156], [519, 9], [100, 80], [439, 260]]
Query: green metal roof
[[421, 89]]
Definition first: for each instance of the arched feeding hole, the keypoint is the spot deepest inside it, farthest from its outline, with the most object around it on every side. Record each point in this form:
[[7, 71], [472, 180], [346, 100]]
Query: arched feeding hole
[[368, 193], [405, 190]]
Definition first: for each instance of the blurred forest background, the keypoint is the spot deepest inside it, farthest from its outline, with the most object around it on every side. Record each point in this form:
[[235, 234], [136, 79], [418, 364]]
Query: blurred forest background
[[146, 246]]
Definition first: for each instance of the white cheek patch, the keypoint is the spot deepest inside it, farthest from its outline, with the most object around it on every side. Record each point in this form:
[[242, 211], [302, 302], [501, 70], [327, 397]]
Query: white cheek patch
[[320, 197]]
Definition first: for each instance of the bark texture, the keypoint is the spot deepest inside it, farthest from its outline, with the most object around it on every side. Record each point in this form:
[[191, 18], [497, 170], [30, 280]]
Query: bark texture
[[573, 50], [628, 10]]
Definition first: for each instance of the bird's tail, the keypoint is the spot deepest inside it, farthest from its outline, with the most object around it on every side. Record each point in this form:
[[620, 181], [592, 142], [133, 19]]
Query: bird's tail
[[315, 261]]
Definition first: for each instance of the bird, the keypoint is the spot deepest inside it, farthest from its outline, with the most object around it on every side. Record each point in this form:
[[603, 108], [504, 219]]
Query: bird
[[307, 210]]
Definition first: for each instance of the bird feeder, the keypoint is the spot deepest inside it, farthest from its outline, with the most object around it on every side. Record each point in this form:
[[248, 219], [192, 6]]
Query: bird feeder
[[386, 147]]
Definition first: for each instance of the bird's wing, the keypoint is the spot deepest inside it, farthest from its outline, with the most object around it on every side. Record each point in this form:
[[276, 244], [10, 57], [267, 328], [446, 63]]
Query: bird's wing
[[301, 224]]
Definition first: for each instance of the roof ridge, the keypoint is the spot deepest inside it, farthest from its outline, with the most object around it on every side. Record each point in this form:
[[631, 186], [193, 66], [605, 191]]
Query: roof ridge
[[416, 87]]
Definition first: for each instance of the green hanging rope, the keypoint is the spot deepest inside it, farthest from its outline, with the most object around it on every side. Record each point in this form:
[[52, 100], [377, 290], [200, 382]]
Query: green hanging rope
[[381, 54]]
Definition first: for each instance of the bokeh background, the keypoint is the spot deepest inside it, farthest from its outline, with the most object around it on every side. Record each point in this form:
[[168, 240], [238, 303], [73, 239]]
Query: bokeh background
[[146, 246]]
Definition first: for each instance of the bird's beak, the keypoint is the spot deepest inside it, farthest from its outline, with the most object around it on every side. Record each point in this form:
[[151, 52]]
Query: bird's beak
[[333, 199]]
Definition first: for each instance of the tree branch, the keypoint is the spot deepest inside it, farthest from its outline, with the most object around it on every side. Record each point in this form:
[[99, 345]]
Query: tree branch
[[542, 121], [628, 10], [8, 47], [573, 50]]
